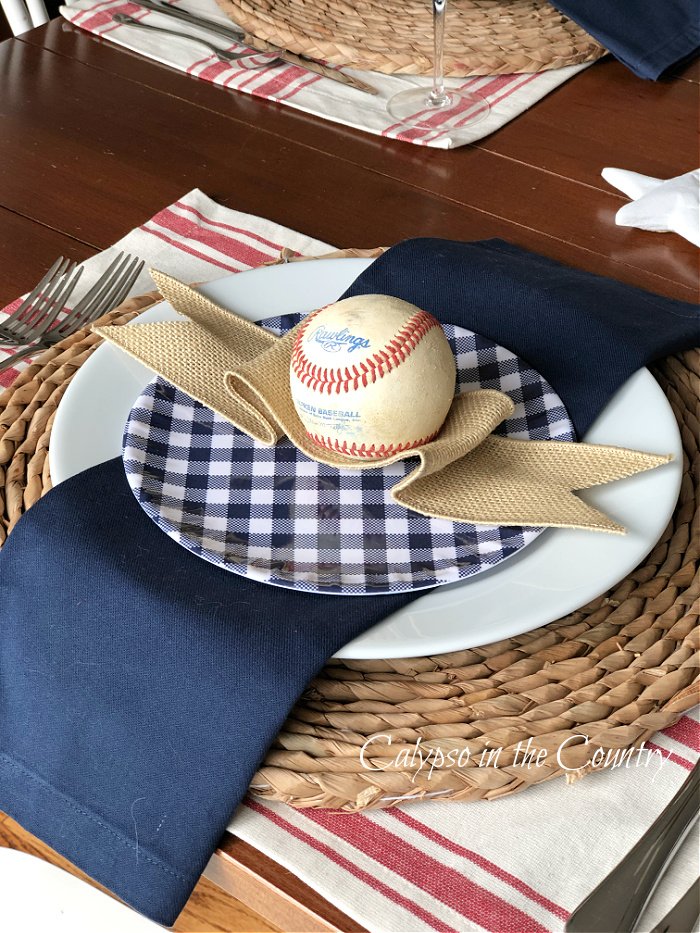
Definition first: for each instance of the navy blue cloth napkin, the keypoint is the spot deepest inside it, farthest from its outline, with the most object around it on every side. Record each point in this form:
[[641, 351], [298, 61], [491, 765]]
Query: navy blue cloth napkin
[[584, 333], [141, 686], [648, 36]]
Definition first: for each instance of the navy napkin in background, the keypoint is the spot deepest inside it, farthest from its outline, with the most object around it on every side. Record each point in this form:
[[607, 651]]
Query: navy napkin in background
[[141, 686], [648, 36]]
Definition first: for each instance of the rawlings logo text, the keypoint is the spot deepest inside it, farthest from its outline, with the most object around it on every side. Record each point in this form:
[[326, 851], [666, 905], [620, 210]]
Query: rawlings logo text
[[334, 340]]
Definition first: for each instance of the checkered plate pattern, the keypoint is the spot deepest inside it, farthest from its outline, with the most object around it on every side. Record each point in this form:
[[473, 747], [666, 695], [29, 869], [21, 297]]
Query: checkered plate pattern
[[273, 514]]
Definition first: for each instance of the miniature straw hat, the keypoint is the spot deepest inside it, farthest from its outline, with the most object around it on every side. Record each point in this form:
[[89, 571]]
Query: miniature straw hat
[[482, 37]]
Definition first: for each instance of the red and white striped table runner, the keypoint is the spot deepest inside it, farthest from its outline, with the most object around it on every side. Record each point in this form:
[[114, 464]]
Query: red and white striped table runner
[[193, 239], [508, 95], [521, 863]]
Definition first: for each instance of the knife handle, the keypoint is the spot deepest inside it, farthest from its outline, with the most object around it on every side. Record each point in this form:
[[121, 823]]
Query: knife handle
[[309, 64], [620, 898], [235, 33]]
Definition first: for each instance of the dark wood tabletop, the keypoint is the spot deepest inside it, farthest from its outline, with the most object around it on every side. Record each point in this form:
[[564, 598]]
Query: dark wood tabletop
[[94, 140]]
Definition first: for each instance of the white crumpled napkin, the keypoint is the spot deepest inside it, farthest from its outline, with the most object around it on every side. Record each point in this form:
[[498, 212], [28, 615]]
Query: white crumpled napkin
[[657, 204]]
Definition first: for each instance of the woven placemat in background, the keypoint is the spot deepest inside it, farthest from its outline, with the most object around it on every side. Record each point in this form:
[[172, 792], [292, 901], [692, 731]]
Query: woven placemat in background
[[482, 37], [617, 670]]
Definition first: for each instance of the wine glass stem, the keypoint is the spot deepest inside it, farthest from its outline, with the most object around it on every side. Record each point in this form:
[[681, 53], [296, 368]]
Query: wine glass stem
[[438, 95]]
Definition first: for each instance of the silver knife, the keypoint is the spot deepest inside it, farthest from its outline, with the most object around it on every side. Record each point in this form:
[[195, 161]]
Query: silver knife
[[618, 901], [235, 34]]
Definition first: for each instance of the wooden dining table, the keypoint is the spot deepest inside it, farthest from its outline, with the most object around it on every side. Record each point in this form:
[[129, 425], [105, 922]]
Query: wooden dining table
[[95, 139]]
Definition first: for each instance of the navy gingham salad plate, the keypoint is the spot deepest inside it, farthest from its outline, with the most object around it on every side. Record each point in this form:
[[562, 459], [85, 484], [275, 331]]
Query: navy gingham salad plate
[[272, 514]]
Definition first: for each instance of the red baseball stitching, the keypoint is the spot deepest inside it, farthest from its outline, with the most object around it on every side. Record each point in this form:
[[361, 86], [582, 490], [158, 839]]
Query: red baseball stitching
[[376, 367], [374, 452]]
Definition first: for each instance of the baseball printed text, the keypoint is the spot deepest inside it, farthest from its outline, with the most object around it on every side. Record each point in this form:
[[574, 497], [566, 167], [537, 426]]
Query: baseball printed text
[[333, 341]]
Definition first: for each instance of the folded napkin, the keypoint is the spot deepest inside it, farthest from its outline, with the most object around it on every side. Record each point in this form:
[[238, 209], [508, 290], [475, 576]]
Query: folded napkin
[[141, 686], [662, 205], [647, 37], [508, 95], [585, 334], [465, 474]]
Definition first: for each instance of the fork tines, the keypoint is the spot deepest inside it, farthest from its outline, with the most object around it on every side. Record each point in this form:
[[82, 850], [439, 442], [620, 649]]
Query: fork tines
[[43, 304], [33, 325], [108, 291]]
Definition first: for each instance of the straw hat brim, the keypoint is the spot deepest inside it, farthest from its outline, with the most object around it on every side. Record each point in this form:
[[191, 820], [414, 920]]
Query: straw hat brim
[[482, 37]]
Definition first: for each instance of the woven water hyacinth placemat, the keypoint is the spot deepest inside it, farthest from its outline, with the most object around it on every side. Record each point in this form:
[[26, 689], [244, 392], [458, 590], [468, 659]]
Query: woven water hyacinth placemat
[[617, 670], [482, 37]]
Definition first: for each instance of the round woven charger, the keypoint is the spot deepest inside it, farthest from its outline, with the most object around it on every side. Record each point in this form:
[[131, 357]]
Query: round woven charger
[[482, 37], [615, 671]]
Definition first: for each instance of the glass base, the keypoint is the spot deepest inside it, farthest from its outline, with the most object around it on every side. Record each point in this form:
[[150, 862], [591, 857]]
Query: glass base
[[423, 109]]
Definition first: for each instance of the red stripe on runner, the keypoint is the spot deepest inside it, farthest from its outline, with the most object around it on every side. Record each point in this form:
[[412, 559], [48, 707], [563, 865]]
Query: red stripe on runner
[[513, 87], [253, 68], [276, 247], [372, 882], [9, 375], [188, 249], [509, 83], [409, 133], [226, 245], [278, 83], [481, 862], [512, 90], [139, 15], [451, 887], [671, 756], [79, 14], [437, 118], [515, 83], [211, 72], [104, 17], [200, 61], [686, 731], [300, 87], [13, 305], [253, 74]]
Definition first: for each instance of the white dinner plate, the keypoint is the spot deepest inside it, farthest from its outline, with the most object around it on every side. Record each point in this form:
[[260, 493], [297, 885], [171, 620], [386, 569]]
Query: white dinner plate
[[559, 572]]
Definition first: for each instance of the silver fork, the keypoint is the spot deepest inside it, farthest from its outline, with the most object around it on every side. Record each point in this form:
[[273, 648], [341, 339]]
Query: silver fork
[[42, 305], [108, 291]]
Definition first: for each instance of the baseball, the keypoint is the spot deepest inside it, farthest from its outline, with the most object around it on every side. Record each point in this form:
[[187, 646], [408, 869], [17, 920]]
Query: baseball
[[372, 376]]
